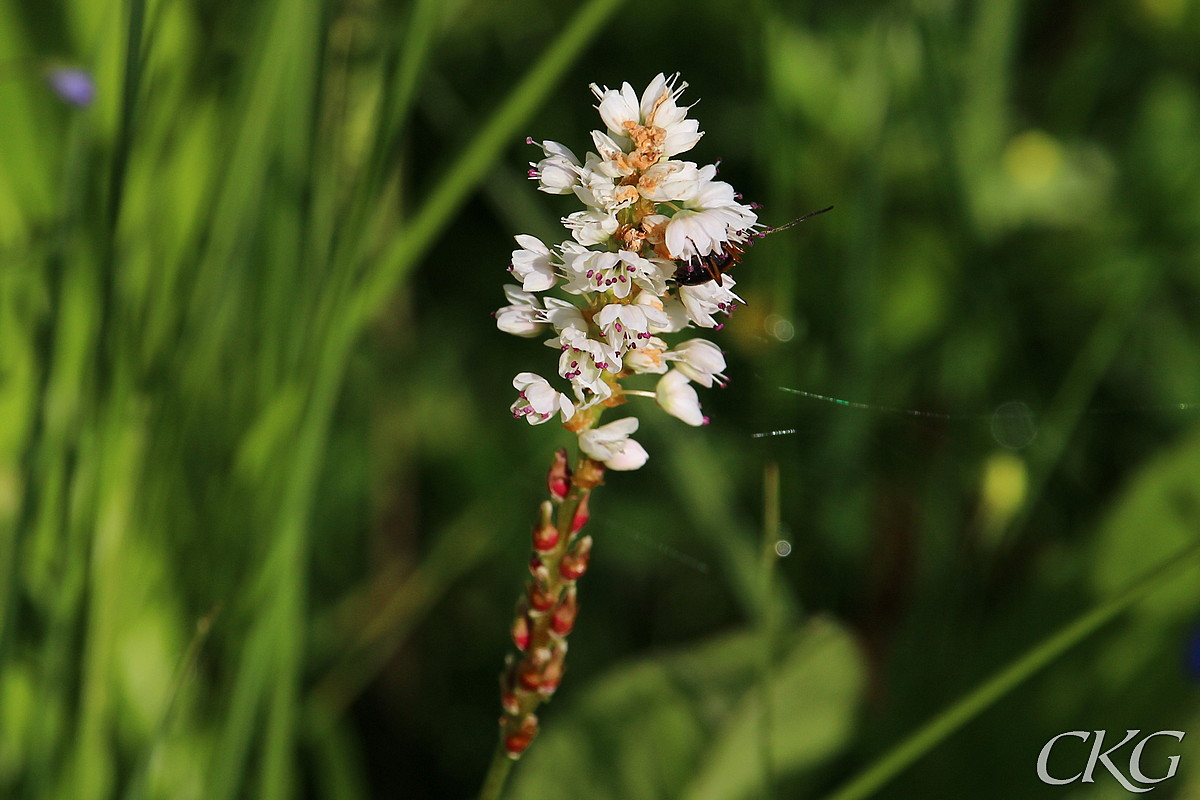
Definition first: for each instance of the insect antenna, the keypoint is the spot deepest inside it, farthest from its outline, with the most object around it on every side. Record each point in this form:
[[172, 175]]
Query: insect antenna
[[796, 221]]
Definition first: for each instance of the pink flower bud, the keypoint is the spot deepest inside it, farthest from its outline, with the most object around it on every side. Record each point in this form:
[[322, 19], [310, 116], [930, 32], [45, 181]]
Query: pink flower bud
[[553, 672], [564, 615], [541, 600], [529, 673], [558, 481], [545, 535], [516, 743], [582, 515], [574, 564], [521, 632], [544, 539]]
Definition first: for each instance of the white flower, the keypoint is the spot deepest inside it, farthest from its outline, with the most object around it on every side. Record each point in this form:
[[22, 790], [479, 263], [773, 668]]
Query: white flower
[[700, 360], [583, 361], [701, 302], [617, 107], [601, 271], [677, 397], [670, 181], [627, 327], [590, 270], [647, 359], [601, 192], [658, 108], [650, 274], [611, 444], [631, 457], [612, 158], [537, 401], [558, 172], [708, 220], [592, 226], [533, 264], [588, 396], [522, 317], [677, 317], [623, 114], [562, 315]]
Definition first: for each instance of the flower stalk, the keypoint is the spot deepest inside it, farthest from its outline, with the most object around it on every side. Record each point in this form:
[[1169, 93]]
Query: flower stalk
[[647, 257], [546, 612]]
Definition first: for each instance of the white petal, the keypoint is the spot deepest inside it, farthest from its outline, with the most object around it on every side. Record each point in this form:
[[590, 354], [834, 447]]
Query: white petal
[[694, 233], [611, 444], [677, 397], [699, 359], [533, 264], [631, 457], [518, 320], [651, 96], [538, 401], [670, 181]]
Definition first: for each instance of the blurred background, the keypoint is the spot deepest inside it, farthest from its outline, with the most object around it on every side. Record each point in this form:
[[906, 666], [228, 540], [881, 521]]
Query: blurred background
[[263, 511]]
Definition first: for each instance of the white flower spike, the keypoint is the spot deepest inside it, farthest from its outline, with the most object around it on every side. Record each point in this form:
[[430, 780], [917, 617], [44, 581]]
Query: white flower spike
[[644, 257]]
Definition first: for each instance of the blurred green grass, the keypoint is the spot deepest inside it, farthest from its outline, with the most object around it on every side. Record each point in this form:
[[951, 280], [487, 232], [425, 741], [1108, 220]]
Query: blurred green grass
[[248, 381]]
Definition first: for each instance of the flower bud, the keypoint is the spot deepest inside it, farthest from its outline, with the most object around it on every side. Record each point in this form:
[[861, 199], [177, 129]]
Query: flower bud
[[521, 631], [553, 673], [545, 535], [529, 673], [516, 743], [564, 615], [558, 481], [574, 564], [541, 599], [582, 515], [540, 574]]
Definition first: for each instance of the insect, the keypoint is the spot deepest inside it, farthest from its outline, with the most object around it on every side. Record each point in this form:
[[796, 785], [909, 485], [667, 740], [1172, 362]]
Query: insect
[[702, 269]]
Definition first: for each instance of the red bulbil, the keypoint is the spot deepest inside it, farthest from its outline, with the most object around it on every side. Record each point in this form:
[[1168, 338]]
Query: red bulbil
[[545, 538], [531, 669], [582, 515], [574, 564], [564, 616], [530, 680], [541, 600], [521, 632], [558, 480], [517, 742], [553, 672]]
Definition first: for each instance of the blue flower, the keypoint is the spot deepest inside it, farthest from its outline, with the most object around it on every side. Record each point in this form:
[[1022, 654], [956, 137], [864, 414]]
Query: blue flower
[[73, 85]]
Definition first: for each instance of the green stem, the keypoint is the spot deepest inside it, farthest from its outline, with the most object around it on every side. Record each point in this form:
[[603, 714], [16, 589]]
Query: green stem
[[947, 722], [497, 774]]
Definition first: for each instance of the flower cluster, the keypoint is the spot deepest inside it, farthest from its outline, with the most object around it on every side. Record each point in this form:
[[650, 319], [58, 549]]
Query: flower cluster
[[634, 270]]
